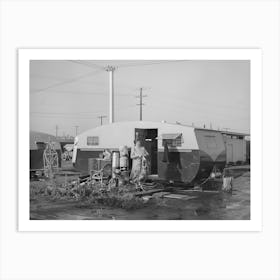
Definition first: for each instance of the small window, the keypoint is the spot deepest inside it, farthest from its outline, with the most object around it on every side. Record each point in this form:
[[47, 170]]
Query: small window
[[172, 140], [92, 140]]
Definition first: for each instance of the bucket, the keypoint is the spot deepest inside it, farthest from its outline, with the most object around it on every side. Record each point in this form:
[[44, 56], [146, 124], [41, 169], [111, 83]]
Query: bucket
[[227, 184]]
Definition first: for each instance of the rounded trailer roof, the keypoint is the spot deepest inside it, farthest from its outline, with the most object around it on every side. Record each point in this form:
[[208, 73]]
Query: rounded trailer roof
[[122, 133], [35, 136]]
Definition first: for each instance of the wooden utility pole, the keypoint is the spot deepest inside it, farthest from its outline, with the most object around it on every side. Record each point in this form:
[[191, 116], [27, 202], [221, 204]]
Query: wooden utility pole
[[76, 129], [56, 131], [141, 104], [101, 119]]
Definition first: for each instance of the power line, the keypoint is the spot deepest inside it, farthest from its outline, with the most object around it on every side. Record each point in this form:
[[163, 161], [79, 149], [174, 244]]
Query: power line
[[148, 64], [67, 81], [92, 65], [141, 104], [73, 92], [66, 114], [85, 63], [82, 115], [78, 114], [98, 71]]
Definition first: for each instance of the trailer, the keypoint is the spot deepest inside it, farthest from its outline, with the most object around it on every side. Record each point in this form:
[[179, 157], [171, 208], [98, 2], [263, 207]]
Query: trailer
[[177, 153]]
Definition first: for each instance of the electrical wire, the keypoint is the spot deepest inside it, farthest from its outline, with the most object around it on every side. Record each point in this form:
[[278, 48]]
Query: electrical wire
[[75, 114], [85, 63], [67, 81], [147, 64], [77, 92], [97, 72], [87, 93]]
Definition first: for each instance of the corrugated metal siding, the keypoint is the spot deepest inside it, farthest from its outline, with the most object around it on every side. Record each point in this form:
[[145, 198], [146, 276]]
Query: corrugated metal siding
[[235, 150]]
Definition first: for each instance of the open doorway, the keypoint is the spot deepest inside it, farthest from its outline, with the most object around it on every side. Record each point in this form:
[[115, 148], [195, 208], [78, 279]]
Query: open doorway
[[148, 138]]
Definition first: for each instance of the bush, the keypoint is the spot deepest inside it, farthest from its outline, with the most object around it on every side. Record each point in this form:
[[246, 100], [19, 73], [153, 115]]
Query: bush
[[121, 197], [36, 189]]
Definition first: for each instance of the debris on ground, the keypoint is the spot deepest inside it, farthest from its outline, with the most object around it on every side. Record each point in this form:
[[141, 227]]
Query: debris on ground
[[80, 197], [227, 184], [91, 191], [88, 190]]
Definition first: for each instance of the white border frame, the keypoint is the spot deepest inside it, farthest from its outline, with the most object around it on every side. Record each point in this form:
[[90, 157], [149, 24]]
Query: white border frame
[[254, 224]]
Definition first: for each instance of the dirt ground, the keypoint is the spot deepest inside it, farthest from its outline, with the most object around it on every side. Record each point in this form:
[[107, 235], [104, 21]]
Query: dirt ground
[[187, 205]]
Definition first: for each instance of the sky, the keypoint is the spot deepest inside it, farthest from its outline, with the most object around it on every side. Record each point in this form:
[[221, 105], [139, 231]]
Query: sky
[[69, 93]]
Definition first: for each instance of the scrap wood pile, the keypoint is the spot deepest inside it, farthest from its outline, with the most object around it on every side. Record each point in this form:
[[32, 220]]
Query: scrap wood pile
[[88, 191]]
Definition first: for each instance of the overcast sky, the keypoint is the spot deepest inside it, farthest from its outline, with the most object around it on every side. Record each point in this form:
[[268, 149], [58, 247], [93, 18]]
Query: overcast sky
[[75, 93]]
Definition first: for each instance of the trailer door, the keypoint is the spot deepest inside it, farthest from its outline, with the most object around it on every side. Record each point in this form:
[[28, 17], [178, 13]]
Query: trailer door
[[148, 139]]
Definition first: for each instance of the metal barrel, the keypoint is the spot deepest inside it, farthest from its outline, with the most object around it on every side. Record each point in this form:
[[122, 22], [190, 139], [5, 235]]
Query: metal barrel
[[115, 160], [124, 162]]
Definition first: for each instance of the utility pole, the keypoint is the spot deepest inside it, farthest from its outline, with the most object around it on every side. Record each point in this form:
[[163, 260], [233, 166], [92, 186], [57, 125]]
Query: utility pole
[[56, 131], [101, 119], [111, 70], [76, 130], [141, 96]]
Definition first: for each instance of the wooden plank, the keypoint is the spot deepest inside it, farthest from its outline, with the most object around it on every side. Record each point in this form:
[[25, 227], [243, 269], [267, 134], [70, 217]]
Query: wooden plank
[[179, 196], [148, 192]]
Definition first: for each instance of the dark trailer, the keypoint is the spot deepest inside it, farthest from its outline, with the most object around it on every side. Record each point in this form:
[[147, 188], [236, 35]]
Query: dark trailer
[[37, 145]]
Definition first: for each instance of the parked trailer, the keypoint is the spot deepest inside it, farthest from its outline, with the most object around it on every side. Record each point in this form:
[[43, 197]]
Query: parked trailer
[[178, 153], [37, 145], [236, 147]]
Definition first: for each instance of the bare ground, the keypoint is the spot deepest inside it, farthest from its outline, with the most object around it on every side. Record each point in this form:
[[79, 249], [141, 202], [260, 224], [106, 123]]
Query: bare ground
[[190, 205]]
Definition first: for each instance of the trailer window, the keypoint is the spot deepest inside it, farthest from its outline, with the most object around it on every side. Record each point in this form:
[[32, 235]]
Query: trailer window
[[172, 140], [92, 140]]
